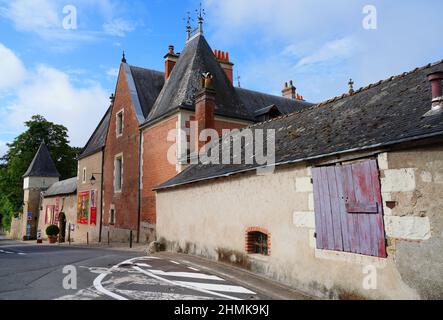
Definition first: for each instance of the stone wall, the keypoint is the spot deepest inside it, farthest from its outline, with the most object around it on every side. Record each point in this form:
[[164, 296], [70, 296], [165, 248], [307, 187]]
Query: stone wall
[[210, 219]]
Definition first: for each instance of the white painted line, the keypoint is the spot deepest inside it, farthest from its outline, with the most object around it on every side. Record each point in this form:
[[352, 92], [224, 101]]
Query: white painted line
[[8, 252], [184, 285], [144, 265], [99, 287], [186, 275], [22, 254], [174, 262], [99, 279], [218, 287], [193, 269]]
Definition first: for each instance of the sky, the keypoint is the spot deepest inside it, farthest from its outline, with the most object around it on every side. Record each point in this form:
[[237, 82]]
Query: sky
[[60, 58]]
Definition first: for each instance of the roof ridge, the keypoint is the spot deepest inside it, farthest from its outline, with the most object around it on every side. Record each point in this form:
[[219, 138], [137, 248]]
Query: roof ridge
[[345, 95]]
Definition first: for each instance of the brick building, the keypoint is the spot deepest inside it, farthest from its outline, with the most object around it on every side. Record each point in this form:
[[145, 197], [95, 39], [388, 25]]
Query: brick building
[[149, 105]]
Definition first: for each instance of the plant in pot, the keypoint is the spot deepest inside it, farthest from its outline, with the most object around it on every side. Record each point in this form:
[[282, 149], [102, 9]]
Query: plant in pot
[[52, 232]]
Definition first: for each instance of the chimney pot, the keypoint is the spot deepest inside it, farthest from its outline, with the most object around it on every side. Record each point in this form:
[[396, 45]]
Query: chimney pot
[[436, 79]]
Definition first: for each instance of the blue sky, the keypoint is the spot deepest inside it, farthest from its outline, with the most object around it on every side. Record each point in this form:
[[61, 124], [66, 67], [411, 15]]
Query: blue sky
[[67, 75]]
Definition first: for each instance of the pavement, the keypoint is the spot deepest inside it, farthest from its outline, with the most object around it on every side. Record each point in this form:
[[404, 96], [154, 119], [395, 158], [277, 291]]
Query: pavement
[[100, 272]]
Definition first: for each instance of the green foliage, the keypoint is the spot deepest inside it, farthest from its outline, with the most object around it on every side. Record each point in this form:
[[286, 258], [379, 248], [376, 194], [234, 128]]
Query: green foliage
[[6, 212], [20, 154], [52, 230]]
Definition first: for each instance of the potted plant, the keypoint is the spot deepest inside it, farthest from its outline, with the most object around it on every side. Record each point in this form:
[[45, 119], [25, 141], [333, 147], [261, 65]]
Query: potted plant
[[52, 232]]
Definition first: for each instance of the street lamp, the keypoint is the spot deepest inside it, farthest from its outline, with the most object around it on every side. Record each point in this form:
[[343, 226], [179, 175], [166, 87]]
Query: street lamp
[[93, 180]]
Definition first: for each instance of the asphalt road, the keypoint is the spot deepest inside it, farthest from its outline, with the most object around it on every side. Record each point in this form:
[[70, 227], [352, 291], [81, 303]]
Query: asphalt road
[[32, 272]]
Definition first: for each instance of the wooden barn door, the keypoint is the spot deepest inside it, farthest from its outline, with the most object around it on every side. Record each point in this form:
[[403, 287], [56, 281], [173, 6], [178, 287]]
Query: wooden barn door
[[348, 209]]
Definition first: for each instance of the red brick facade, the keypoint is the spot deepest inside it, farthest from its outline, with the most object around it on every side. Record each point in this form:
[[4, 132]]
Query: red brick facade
[[156, 167], [125, 202]]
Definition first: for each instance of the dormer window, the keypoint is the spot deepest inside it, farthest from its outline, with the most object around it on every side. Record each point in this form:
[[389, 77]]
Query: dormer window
[[119, 123]]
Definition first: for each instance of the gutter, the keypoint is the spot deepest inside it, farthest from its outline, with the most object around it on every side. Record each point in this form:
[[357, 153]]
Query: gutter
[[375, 146]]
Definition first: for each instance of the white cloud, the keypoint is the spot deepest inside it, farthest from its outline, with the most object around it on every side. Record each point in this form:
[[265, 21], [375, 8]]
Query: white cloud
[[33, 15], [45, 19], [322, 43], [12, 70], [334, 51], [51, 93], [118, 27], [113, 72]]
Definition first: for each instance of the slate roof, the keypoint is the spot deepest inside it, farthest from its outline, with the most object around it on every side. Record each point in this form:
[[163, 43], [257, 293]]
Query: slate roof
[[379, 115], [148, 84], [98, 139], [42, 165], [255, 101], [65, 187], [185, 81]]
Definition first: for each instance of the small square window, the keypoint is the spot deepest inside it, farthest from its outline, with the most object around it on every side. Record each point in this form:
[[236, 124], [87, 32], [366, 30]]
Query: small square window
[[257, 243]]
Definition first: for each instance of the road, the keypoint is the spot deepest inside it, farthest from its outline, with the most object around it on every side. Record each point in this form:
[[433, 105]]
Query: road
[[32, 272]]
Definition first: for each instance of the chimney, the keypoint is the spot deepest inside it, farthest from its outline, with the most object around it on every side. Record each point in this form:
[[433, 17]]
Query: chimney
[[290, 91], [227, 66], [436, 79], [171, 59], [204, 109]]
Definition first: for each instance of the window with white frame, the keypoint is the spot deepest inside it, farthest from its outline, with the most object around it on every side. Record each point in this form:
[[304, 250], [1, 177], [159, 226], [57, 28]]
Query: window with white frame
[[118, 173], [84, 175], [120, 123]]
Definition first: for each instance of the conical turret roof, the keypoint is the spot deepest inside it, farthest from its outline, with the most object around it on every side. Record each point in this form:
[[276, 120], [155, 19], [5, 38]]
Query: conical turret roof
[[42, 165]]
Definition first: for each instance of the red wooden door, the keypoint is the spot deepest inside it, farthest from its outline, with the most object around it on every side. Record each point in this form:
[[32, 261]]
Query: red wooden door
[[348, 209]]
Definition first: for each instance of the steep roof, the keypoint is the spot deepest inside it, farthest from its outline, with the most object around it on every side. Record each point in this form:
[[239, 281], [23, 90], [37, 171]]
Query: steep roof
[[148, 84], [42, 165], [256, 101], [65, 187], [98, 139], [185, 81], [380, 115]]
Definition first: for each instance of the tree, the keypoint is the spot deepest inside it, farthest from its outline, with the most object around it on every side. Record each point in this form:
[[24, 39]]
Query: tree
[[20, 154]]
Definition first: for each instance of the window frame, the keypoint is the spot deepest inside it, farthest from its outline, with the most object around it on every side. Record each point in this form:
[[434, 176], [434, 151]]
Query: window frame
[[120, 123], [118, 158], [262, 247]]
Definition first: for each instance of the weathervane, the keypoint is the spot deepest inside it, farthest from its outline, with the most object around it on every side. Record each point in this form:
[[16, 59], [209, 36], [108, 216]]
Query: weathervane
[[351, 86], [200, 14]]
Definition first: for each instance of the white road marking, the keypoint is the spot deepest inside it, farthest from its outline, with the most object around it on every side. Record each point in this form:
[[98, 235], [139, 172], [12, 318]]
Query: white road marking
[[144, 265], [174, 262], [193, 269], [99, 287], [218, 287], [186, 275], [99, 279], [22, 254], [184, 285]]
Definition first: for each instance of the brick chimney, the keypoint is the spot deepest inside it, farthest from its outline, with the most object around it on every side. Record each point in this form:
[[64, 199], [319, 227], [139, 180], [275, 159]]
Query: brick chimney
[[171, 59], [204, 109], [436, 79], [290, 91], [227, 66]]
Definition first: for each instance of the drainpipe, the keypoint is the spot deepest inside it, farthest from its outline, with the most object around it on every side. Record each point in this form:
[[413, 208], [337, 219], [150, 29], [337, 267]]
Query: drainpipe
[[140, 139], [101, 197]]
